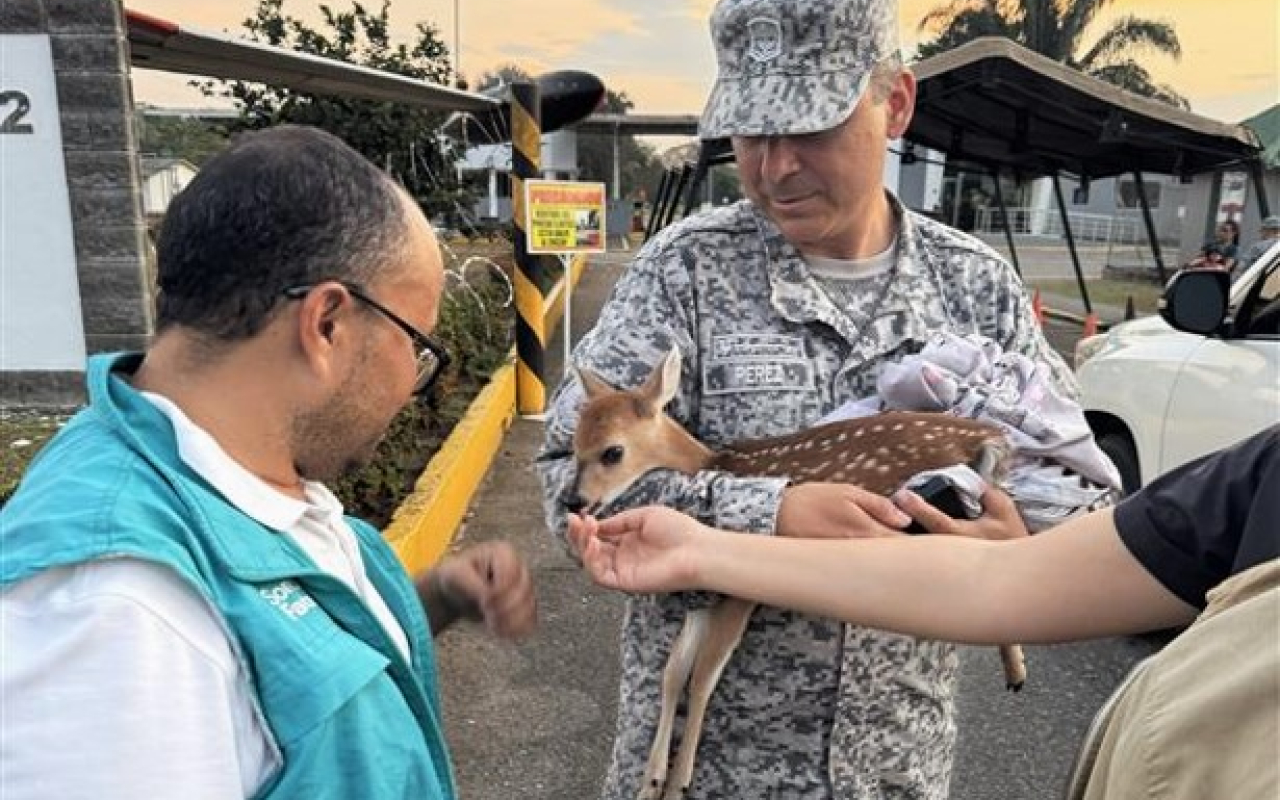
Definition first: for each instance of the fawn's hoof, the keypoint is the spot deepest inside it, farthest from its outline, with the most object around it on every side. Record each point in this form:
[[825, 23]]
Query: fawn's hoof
[[1014, 686]]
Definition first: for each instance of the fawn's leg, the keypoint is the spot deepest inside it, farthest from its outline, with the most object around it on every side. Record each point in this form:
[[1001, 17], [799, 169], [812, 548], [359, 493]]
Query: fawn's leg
[[992, 464], [1015, 666], [728, 621], [674, 677]]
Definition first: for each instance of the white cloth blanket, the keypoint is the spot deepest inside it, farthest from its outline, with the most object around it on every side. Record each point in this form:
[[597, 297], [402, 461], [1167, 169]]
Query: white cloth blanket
[[1058, 469]]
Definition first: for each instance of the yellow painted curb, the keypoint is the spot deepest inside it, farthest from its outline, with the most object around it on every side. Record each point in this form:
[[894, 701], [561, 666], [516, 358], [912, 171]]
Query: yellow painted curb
[[426, 522]]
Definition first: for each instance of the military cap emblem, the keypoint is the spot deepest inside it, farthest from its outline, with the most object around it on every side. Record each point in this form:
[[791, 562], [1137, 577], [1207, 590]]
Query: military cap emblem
[[765, 39]]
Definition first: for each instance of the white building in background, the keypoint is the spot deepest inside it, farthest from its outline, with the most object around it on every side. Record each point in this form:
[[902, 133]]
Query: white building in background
[[162, 179], [1110, 210], [918, 183], [1107, 211], [559, 160]]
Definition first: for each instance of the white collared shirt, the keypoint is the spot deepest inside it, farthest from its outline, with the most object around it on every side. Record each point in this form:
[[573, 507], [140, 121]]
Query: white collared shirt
[[316, 525], [119, 679]]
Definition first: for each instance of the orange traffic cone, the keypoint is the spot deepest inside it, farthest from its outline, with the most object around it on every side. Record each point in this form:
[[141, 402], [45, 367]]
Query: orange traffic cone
[[1090, 326], [1037, 306]]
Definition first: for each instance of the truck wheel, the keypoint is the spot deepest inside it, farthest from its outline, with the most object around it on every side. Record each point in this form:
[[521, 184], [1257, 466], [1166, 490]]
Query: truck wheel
[[1120, 450]]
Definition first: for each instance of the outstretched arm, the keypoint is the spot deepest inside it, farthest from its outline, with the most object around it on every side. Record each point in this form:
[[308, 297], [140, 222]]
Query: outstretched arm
[[1076, 581]]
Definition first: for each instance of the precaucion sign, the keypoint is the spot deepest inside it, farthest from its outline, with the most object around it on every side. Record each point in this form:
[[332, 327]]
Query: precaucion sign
[[565, 216]]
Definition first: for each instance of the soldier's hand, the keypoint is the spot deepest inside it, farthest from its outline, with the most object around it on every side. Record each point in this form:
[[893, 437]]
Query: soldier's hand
[[837, 511], [1000, 518]]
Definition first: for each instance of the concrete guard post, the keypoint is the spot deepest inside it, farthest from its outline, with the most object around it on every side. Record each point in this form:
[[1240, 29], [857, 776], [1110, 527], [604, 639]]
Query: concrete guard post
[[74, 250]]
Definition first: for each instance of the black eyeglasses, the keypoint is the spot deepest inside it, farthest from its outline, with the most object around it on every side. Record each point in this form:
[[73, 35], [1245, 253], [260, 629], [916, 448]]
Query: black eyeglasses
[[432, 358]]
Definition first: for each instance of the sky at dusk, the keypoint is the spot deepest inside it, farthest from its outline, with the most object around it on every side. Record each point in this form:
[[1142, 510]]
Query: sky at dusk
[[659, 52]]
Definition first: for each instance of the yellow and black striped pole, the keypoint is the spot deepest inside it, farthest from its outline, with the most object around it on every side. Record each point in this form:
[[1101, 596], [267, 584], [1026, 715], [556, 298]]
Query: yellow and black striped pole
[[526, 157]]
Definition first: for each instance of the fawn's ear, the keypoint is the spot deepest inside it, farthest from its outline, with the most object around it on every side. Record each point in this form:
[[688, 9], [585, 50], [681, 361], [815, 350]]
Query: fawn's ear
[[663, 384], [592, 383]]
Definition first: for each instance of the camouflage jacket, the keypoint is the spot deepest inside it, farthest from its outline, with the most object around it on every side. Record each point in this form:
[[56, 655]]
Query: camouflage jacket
[[807, 708]]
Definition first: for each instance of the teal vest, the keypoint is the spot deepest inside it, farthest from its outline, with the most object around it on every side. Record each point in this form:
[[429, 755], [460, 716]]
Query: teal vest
[[352, 718]]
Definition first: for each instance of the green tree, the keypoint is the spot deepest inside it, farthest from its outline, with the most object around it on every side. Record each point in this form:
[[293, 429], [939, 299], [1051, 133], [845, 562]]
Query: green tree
[[725, 185], [638, 165], [402, 139], [1056, 29], [180, 137], [502, 75]]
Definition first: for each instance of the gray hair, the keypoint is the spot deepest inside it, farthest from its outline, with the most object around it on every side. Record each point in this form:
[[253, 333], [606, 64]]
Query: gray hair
[[883, 77]]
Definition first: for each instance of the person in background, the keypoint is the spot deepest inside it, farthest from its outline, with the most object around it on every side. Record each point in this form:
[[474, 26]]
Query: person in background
[[1222, 252], [1200, 540], [186, 611], [785, 307], [1268, 234]]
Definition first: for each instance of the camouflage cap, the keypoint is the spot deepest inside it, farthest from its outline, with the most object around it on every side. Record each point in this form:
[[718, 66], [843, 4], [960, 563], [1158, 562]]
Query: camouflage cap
[[794, 66]]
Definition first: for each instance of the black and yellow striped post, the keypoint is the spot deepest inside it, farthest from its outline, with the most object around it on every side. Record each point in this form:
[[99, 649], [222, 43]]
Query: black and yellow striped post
[[526, 157]]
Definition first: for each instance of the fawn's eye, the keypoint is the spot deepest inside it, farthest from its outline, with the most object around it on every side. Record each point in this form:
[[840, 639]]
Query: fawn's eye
[[611, 456]]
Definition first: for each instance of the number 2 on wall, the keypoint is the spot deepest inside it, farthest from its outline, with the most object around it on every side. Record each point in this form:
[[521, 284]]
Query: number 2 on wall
[[12, 122]]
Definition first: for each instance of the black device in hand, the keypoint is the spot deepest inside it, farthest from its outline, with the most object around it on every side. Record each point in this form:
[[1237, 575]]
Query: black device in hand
[[942, 495]]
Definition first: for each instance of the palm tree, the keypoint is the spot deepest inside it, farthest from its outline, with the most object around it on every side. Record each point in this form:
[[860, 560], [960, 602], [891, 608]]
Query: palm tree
[[1055, 28]]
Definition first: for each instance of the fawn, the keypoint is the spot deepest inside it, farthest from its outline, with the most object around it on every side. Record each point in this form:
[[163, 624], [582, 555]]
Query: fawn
[[621, 435]]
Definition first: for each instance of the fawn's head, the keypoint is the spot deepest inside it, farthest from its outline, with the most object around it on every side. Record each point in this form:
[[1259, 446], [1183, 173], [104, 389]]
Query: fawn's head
[[624, 433]]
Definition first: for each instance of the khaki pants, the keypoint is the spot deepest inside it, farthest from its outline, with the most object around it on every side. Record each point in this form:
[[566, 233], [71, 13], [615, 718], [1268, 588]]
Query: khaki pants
[[1201, 719]]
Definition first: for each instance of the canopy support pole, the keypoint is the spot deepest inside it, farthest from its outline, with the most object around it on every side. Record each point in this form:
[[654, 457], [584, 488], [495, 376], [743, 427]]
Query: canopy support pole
[[1071, 244], [1004, 218], [1150, 224]]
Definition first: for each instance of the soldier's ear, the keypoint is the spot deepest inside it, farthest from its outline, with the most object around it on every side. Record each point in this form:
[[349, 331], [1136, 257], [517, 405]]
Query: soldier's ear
[[900, 104]]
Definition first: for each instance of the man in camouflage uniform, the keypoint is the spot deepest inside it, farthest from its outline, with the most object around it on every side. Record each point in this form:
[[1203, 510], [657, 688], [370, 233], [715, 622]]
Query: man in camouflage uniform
[[784, 307]]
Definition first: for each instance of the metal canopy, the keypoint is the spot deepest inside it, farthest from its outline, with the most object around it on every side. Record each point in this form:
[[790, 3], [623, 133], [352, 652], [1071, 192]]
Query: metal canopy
[[640, 124], [998, 104], [159, 44]]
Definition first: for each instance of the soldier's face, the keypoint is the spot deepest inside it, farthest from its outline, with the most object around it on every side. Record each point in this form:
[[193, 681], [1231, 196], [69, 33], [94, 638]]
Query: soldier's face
[[818, 188]]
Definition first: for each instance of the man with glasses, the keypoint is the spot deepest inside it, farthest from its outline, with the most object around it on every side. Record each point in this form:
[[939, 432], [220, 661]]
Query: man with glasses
[[186, 611]]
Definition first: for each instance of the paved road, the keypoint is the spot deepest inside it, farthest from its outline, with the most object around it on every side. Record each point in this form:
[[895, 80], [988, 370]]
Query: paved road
[[1048, 258], [535, 720]]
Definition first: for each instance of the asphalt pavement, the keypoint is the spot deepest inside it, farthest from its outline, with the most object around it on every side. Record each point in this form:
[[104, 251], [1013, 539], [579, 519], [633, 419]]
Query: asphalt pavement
[[535, 720]]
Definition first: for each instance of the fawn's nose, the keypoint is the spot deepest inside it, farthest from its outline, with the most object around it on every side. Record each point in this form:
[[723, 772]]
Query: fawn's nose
[[574, 503]]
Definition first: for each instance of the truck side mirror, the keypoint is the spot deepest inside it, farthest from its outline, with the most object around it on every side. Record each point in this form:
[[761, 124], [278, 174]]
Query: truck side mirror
[[1195, 301]]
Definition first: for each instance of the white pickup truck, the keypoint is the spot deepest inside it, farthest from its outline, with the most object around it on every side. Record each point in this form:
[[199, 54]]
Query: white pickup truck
[[1204, 374]]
